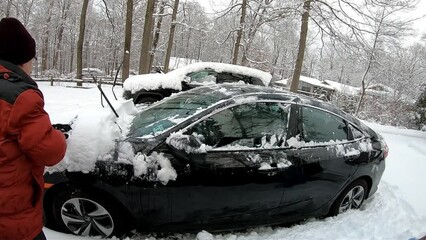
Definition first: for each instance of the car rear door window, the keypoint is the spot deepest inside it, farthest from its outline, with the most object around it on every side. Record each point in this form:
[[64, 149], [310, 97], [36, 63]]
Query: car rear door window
[[258, 125], [320, 126]]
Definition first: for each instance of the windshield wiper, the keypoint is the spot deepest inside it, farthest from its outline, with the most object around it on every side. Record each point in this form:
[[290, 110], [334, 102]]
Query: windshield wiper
[[103, 94]]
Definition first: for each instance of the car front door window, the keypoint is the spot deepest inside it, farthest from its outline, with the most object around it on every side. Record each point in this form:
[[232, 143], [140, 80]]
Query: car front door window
[[251, 125]]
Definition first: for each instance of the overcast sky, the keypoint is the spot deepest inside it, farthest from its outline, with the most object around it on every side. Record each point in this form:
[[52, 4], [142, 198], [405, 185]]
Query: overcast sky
[[419, 25]]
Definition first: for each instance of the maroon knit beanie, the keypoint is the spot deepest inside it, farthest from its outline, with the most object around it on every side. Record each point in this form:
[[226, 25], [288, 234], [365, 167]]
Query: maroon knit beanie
[[16, 44]]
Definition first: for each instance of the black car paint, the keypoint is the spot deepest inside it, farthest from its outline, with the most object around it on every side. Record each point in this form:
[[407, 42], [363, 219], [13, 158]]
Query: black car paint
[[207, 196]]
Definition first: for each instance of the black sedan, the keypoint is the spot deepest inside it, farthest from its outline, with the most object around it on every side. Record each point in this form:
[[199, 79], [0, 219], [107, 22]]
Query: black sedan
[[222, 157]]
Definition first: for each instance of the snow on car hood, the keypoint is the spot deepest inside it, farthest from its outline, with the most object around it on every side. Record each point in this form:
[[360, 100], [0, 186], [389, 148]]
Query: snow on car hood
[[95, 135], [173, 79]]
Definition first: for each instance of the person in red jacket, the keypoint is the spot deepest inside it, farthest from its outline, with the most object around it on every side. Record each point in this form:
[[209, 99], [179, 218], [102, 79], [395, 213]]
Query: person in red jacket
[[28, 142]]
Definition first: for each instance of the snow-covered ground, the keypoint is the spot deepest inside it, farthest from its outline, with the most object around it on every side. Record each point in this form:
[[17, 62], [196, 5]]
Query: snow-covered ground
[[397, 210]]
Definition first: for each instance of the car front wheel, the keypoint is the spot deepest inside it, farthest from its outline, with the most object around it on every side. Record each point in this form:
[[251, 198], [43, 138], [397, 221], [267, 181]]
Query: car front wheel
[[351, 198], [87, 215]]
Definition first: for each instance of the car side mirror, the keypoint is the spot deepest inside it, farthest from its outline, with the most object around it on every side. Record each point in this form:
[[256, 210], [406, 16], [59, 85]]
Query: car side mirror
[[186, 143]]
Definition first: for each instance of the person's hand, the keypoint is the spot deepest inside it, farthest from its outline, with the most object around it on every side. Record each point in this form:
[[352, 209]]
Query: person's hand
[[64, 128]]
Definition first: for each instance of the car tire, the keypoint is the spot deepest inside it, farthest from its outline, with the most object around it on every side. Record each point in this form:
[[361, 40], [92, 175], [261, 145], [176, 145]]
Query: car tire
[[86, 214], [351, 198]]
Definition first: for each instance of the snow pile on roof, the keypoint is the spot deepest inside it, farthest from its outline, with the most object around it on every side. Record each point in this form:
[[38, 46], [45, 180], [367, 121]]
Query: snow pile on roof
[[173, 79], [316, 82], [152, 81], [343, 88], [327, 84], [312, 81], [380, 90]]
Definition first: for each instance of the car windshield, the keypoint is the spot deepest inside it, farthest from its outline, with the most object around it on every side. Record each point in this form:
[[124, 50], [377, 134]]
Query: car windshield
[[167, 114]]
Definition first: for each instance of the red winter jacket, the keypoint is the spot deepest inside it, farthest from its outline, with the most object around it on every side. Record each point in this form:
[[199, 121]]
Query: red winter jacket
[[27, 144]]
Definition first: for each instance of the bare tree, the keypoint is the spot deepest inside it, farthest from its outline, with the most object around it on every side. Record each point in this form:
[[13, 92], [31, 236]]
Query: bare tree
[[64, 15], [81, 41], [239, 32], [145, 56], [27, 10], [127, 40], [46, 35], [171, 36], [302, 45], [161, 7]]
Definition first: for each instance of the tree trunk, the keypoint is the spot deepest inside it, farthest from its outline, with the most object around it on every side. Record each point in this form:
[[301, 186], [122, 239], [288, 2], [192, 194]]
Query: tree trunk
[[302, 45], [64, 16], [46, 33], [145, 57], [171, 36], [157, 32], [72, 45], [254, 26], [240, 32], [81, 41], [127, 41]]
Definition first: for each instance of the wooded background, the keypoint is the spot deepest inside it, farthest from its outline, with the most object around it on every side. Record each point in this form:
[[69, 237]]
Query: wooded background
[[356, 42]]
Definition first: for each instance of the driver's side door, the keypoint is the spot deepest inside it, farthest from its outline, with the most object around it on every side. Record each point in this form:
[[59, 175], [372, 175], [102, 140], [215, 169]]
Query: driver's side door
[[237, 179]]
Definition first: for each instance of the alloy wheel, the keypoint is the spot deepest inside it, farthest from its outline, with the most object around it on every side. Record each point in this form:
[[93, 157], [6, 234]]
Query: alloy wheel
[[85, 217], [353, 199]]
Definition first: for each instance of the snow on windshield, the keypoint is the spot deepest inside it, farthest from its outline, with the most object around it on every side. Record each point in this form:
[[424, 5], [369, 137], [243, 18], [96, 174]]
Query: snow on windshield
[[173, 79]]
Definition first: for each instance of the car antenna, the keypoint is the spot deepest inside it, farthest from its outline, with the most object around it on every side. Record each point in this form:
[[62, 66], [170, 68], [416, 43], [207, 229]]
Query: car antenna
[[103, 94], [116, 75]]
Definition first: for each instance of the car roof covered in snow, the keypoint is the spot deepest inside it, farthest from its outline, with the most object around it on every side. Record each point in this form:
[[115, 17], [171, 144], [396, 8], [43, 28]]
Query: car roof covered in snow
[[173, 79]]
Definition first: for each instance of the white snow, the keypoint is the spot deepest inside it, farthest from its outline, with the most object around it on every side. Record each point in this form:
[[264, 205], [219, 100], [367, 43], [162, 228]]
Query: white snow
[[343, 88], [397, 210], [312, 81], [173, 79], [160, 167], [152, 82]]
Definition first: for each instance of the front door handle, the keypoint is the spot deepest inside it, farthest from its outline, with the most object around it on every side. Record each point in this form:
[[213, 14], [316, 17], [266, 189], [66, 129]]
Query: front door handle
[[351, 156]]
